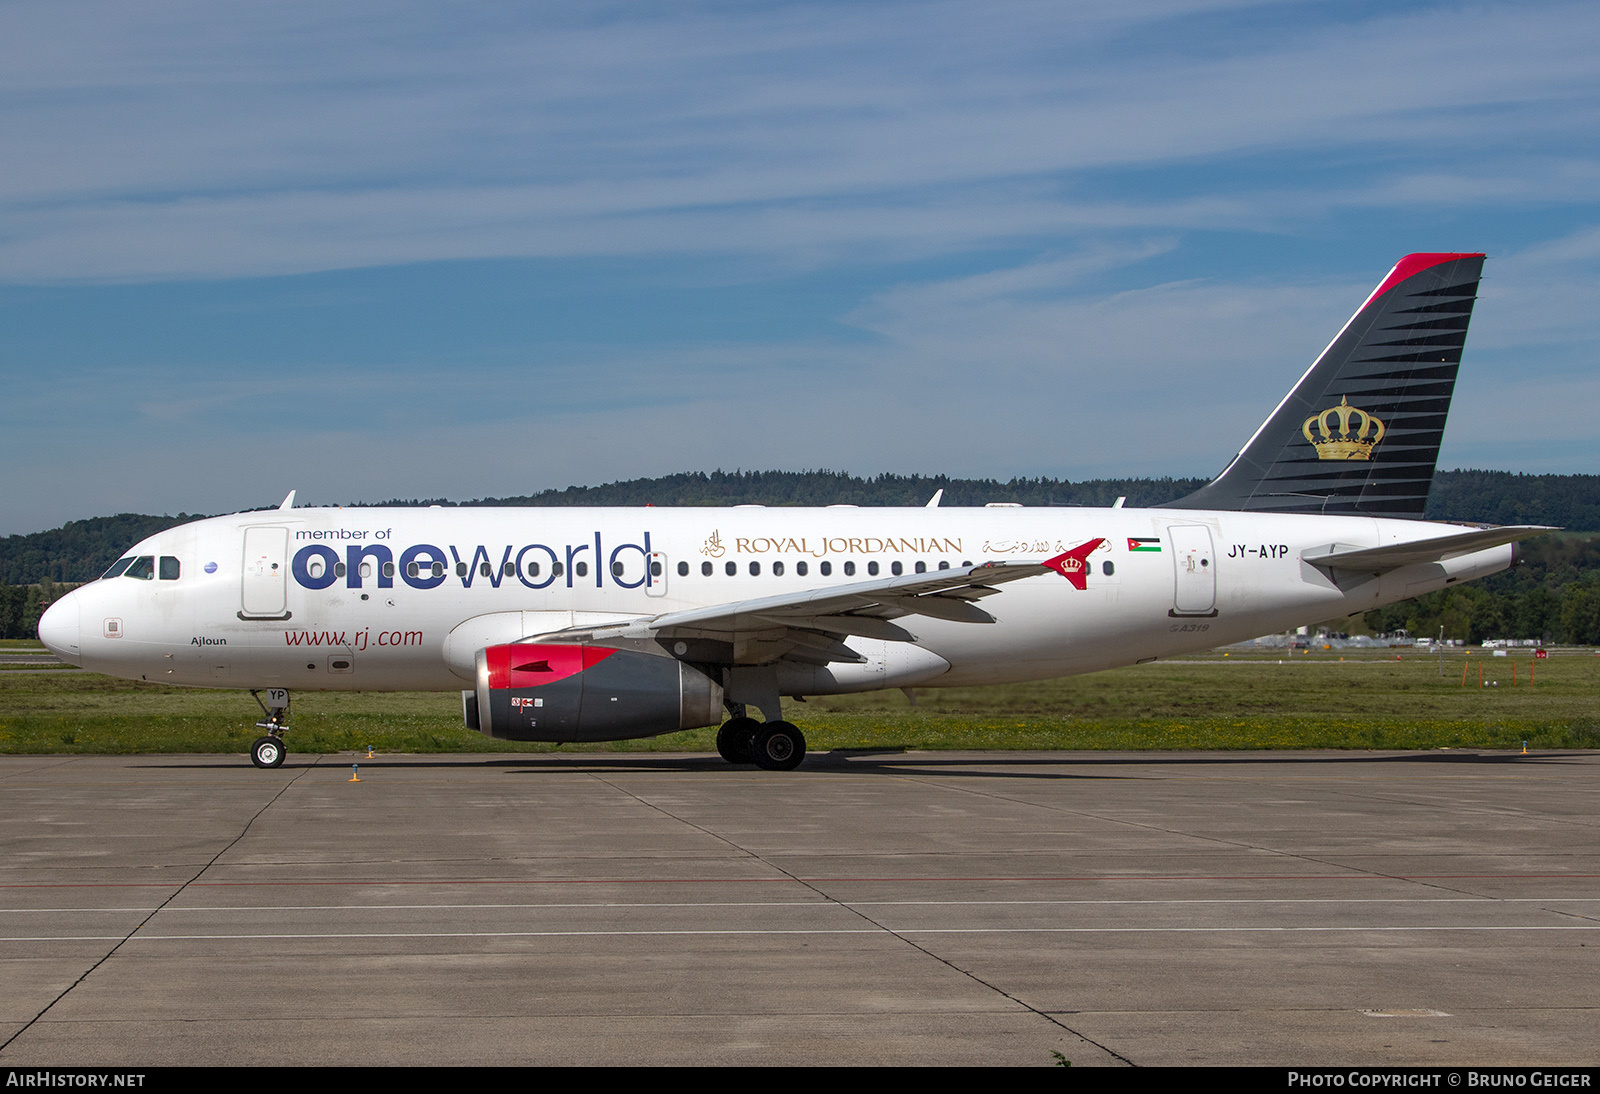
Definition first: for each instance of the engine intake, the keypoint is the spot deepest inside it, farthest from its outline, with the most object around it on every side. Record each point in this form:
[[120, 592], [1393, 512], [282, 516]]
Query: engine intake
[[545, 691]]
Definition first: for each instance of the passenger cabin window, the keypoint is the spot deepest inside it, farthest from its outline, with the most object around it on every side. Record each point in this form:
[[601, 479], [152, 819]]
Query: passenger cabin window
[[849, 569], [557, 569], [777, 569], [388, 569], [683, 569], [143, 568], [800, 568], [338, 569], [705, 569], [484, 569], [827, 569], [922, 568], [533, 569], [461, 569], [169, 568], [755, 569], [872, 568], [896, 569], [616, 569], [581, 569], [117, 567], [732, 568]]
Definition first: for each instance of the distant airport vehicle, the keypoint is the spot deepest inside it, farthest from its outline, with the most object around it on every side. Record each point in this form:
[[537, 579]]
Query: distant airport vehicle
[[606, 624]]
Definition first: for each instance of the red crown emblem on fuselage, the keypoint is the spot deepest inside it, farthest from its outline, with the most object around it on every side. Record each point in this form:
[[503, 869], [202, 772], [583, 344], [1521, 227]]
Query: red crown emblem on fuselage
[[1073, 565]]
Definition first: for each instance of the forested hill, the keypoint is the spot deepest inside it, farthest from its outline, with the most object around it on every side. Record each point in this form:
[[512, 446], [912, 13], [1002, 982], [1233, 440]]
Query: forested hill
[[835, 488], [1500, 497], [81, 550]]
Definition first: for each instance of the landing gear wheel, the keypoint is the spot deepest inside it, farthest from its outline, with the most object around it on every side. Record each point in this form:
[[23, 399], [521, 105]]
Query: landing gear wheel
[[268, 752], [778, 746], [733, 740]]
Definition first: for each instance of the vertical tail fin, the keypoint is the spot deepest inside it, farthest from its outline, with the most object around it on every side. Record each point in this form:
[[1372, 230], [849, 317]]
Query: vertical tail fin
[[1360, 432]]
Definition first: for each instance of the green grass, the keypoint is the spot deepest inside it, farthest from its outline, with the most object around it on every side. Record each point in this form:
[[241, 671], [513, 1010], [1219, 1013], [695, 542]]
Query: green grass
[[1211, 701]]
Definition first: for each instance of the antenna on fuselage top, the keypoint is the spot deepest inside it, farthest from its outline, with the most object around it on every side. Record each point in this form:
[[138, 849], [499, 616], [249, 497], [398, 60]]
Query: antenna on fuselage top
[[288, 501]]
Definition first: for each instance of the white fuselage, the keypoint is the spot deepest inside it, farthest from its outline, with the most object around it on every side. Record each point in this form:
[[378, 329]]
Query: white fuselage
[[299, 598]]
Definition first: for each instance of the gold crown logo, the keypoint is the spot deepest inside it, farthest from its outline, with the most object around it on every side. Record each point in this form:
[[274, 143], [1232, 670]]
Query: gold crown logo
[[1344, 444]]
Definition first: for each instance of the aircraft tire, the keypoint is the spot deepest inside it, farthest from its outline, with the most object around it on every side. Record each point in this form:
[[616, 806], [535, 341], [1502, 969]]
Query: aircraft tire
[[778, 746], [734, 739], [268, 752]]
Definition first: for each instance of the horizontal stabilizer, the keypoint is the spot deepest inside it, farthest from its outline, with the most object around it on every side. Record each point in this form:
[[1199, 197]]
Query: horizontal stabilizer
[[1377, 560]]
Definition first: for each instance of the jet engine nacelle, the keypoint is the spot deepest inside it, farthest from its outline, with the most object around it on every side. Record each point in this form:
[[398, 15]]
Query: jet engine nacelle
[[547, 691]]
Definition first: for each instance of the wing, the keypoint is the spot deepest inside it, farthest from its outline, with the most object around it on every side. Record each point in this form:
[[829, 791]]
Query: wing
[[1376, 560], [810, 625]]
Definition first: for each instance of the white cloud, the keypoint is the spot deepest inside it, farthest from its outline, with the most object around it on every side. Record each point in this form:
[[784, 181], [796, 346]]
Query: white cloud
[[204, 140], [1060, 174]]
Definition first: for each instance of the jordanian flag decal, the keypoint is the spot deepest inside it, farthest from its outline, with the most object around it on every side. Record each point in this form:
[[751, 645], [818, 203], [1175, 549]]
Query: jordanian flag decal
[[1144, 544]]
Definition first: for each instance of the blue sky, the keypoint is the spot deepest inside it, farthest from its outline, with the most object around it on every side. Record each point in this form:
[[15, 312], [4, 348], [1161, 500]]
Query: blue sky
[[376, 250]]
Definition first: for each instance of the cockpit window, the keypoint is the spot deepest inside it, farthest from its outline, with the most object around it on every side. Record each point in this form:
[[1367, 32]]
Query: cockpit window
[[116, 568], [143, 568], [169, 568]]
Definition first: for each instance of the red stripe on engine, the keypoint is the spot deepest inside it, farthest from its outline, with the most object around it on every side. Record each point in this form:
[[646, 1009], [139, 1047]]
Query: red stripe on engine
[[499, 659], [533, 664]]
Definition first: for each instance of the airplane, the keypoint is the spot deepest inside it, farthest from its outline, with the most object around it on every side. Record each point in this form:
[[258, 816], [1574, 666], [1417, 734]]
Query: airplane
[[604, 624]]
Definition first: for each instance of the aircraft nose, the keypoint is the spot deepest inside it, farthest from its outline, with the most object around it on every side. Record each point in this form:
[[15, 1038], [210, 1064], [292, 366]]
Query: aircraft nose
[[58, 628]]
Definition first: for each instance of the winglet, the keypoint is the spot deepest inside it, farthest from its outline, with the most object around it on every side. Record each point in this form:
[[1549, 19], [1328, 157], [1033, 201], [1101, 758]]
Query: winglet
[[288, 502], [934, 502], [1073, 565]]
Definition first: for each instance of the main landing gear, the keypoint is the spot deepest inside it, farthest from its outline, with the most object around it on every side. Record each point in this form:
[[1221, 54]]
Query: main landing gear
[[269, 751], [775, 746]]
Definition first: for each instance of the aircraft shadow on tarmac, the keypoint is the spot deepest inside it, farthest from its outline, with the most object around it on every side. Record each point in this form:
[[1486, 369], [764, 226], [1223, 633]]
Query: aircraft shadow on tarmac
[[898, 762]]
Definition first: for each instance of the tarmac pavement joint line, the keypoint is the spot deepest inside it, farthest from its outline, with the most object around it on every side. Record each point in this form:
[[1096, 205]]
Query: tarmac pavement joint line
[[879, 927], [1246, 845], [159, 907]]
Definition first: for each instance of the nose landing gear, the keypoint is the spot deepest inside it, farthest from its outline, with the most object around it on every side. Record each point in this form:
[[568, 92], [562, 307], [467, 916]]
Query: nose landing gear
[[269, 751]]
